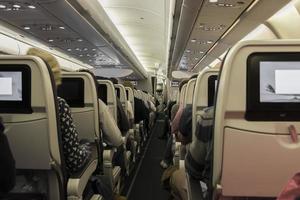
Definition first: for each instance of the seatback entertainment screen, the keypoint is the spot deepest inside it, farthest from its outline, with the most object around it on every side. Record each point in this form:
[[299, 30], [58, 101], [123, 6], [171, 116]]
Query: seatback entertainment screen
[[273, 87], [15, 89], [279, 82], [72, 90], [11, 86], [212, 88]]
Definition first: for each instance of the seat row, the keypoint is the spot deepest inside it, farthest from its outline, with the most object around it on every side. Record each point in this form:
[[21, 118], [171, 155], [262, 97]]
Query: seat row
[[245, 139], [31, 114]]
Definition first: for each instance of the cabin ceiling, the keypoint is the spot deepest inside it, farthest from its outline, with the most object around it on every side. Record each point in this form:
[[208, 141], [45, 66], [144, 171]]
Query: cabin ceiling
[[216, 26], [61, 27], [144, 24]]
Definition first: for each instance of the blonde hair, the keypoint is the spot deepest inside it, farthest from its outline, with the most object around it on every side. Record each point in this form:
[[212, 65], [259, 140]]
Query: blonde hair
[[50, 60]]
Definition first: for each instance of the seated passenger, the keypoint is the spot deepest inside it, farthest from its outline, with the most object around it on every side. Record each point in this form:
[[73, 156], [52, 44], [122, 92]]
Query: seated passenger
[[168, 155], [201, 170], [123, 122], [112, 136], [76, 154], [198, 158], [130, 114], [111, 133], [7, 166]]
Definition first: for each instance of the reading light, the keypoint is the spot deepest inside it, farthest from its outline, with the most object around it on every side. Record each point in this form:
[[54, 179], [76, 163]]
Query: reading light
[[69, 49], [193, 40], [62, 27], [79, 40], [213, 1], [2, 6], [26, 27], [16, 6], [188, 51], [50, 40], [31, 6]]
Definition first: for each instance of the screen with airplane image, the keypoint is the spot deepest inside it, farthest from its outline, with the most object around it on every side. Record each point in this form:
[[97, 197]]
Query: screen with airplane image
[[279, 82]]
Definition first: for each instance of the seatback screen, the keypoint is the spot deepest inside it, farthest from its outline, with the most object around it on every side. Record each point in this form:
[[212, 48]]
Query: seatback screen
[[273, 87], [118, 92], [72, 90], [15, 89], [279, 81], [102, 92], [127, 94], [211, 90], [11, 86]]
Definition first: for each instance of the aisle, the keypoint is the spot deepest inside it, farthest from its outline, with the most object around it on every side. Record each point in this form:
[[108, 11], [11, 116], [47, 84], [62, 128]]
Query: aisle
[[147, 185]]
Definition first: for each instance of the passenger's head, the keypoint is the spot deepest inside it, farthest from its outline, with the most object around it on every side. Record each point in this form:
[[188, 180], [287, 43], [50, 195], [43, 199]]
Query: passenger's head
[[114, 80], [181, 84], [128, 84], [50, 60]]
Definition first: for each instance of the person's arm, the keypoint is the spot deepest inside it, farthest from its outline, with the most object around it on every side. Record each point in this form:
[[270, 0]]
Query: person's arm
[[176, 120], [7, 166], [112, 134]]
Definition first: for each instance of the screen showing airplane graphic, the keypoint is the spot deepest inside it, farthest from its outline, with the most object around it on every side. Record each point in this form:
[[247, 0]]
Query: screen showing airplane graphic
[[280, 82]]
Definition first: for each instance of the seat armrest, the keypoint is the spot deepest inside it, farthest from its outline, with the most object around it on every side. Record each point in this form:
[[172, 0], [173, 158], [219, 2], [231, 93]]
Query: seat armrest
[[76, 185]]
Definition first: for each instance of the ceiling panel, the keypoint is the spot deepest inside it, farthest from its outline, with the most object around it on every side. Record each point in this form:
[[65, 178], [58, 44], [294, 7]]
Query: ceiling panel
[[212, 22], [144, 26], [60, 26]]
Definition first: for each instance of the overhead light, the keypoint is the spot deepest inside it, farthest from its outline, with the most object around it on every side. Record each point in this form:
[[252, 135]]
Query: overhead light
[[69, 49], [26, 27], [50, 40], [201, 52], [85, 49], [209, 42], [31, 6], [90, 60], [93, 49], [79, 40], [193, 40], [77, 49], [88, 55], [188, 51], [80, 55], [62, 27], [213, 1], [196, 58], [2, 6], [16, 6]]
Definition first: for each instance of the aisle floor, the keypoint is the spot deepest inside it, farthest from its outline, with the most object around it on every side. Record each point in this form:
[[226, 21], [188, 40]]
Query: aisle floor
[[146, 185]]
